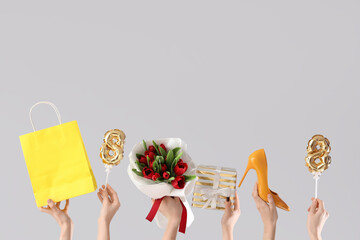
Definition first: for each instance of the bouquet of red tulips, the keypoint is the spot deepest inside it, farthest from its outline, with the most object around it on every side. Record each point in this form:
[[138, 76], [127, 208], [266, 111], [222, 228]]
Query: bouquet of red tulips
[[162, 165], [163, 168]]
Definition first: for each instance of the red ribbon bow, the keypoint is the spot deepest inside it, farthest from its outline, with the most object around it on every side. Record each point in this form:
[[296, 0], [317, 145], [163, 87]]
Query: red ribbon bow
[[155, 208]]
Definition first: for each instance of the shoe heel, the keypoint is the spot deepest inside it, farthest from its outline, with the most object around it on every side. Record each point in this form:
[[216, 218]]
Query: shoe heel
[[246, 171]]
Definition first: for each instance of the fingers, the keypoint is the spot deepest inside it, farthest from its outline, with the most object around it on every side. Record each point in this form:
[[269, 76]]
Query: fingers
[[312, 208], [228, 209], [51, 203], [44, 209], [113, 194], [271, 202], [100, 197], [236, 202], [321, 205], [255, 193], [104, 195], [67, 203]]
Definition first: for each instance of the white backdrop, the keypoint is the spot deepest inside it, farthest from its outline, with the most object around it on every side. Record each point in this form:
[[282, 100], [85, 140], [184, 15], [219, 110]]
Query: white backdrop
[[227, 77]]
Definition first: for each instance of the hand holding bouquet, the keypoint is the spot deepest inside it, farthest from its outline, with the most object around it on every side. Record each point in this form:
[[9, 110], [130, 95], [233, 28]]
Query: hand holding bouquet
[[162, 168]]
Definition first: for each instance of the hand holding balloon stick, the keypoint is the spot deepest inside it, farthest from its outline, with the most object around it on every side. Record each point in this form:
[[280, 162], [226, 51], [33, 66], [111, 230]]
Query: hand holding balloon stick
[[112, 150], [318, 159]]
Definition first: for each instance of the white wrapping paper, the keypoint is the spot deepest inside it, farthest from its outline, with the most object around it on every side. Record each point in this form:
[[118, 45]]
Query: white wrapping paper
[[159, 190]]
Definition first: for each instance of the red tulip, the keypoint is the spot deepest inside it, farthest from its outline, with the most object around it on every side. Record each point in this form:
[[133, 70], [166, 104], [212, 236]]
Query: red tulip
[[147, 172], [155, 176], [151, 155], [166, 175], [143, 160], [178, 182], [163, 147], [180, 168], [152, 148], [163, 167]]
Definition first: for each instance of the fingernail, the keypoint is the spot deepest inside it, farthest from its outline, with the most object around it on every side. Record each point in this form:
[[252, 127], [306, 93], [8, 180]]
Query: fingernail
[[48, 200], [227, 199]]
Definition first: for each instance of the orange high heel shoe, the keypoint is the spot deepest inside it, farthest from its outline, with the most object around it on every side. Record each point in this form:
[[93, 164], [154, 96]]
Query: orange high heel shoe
[[257, 161]]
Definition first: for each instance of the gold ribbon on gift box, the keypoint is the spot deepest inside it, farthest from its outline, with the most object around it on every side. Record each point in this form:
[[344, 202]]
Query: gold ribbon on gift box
[[213, 186]]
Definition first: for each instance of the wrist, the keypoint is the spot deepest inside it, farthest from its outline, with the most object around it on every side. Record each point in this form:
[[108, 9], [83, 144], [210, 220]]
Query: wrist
[[66, 224], [103, 221], [174, 222], [269, 231], [227, 228], [227, 232], [271, 227]]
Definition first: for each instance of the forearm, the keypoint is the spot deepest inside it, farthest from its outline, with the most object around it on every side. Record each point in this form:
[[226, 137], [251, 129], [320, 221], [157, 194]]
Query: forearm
[[315, 237], [66, 232], [171, 230], [103, 230], [269, 232], [227, 233]]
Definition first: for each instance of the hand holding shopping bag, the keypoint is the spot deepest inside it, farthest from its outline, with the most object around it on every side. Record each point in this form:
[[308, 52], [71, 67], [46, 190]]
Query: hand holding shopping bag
[[57, 161]]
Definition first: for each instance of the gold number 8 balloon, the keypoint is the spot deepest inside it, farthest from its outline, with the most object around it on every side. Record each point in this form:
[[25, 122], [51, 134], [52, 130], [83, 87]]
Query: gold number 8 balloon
[[112, 150], [318, 159]]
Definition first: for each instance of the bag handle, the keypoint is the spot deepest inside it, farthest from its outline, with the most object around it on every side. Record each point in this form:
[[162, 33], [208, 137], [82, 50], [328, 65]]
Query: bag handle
[[48, 103]]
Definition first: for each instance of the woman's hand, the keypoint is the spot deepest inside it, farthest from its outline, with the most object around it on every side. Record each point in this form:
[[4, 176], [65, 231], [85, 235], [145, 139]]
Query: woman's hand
[[316, 218], [230, 217], [110, 205], [171, 208], [267, 212], [61, 216]]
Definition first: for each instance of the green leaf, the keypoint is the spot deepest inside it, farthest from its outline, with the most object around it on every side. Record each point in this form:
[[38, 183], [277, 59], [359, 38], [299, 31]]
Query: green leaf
[[137, 172], [178, 157], [162, 159], [145, 145], [170, 179], [156, 166], [189, 177], [156, 147], [138, 164], [148, 160], [158, 161], [160, 179], [163, 152], [169, 158], [172, 168], [176, 150], [138, 155]]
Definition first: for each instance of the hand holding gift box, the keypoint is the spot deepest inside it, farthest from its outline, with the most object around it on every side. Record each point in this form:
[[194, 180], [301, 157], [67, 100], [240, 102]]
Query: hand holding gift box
[[163, 168], [213, 186]]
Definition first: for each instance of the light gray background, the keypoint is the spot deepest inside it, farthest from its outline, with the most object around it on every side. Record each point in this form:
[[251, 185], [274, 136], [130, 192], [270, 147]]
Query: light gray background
[[227, 77]]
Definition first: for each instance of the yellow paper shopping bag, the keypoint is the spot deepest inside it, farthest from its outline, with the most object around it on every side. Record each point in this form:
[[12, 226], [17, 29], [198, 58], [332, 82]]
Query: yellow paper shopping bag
[[57, 162]]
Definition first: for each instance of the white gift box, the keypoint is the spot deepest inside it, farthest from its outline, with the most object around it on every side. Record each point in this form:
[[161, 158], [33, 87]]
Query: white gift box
[[213, 186], [159, 190]]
